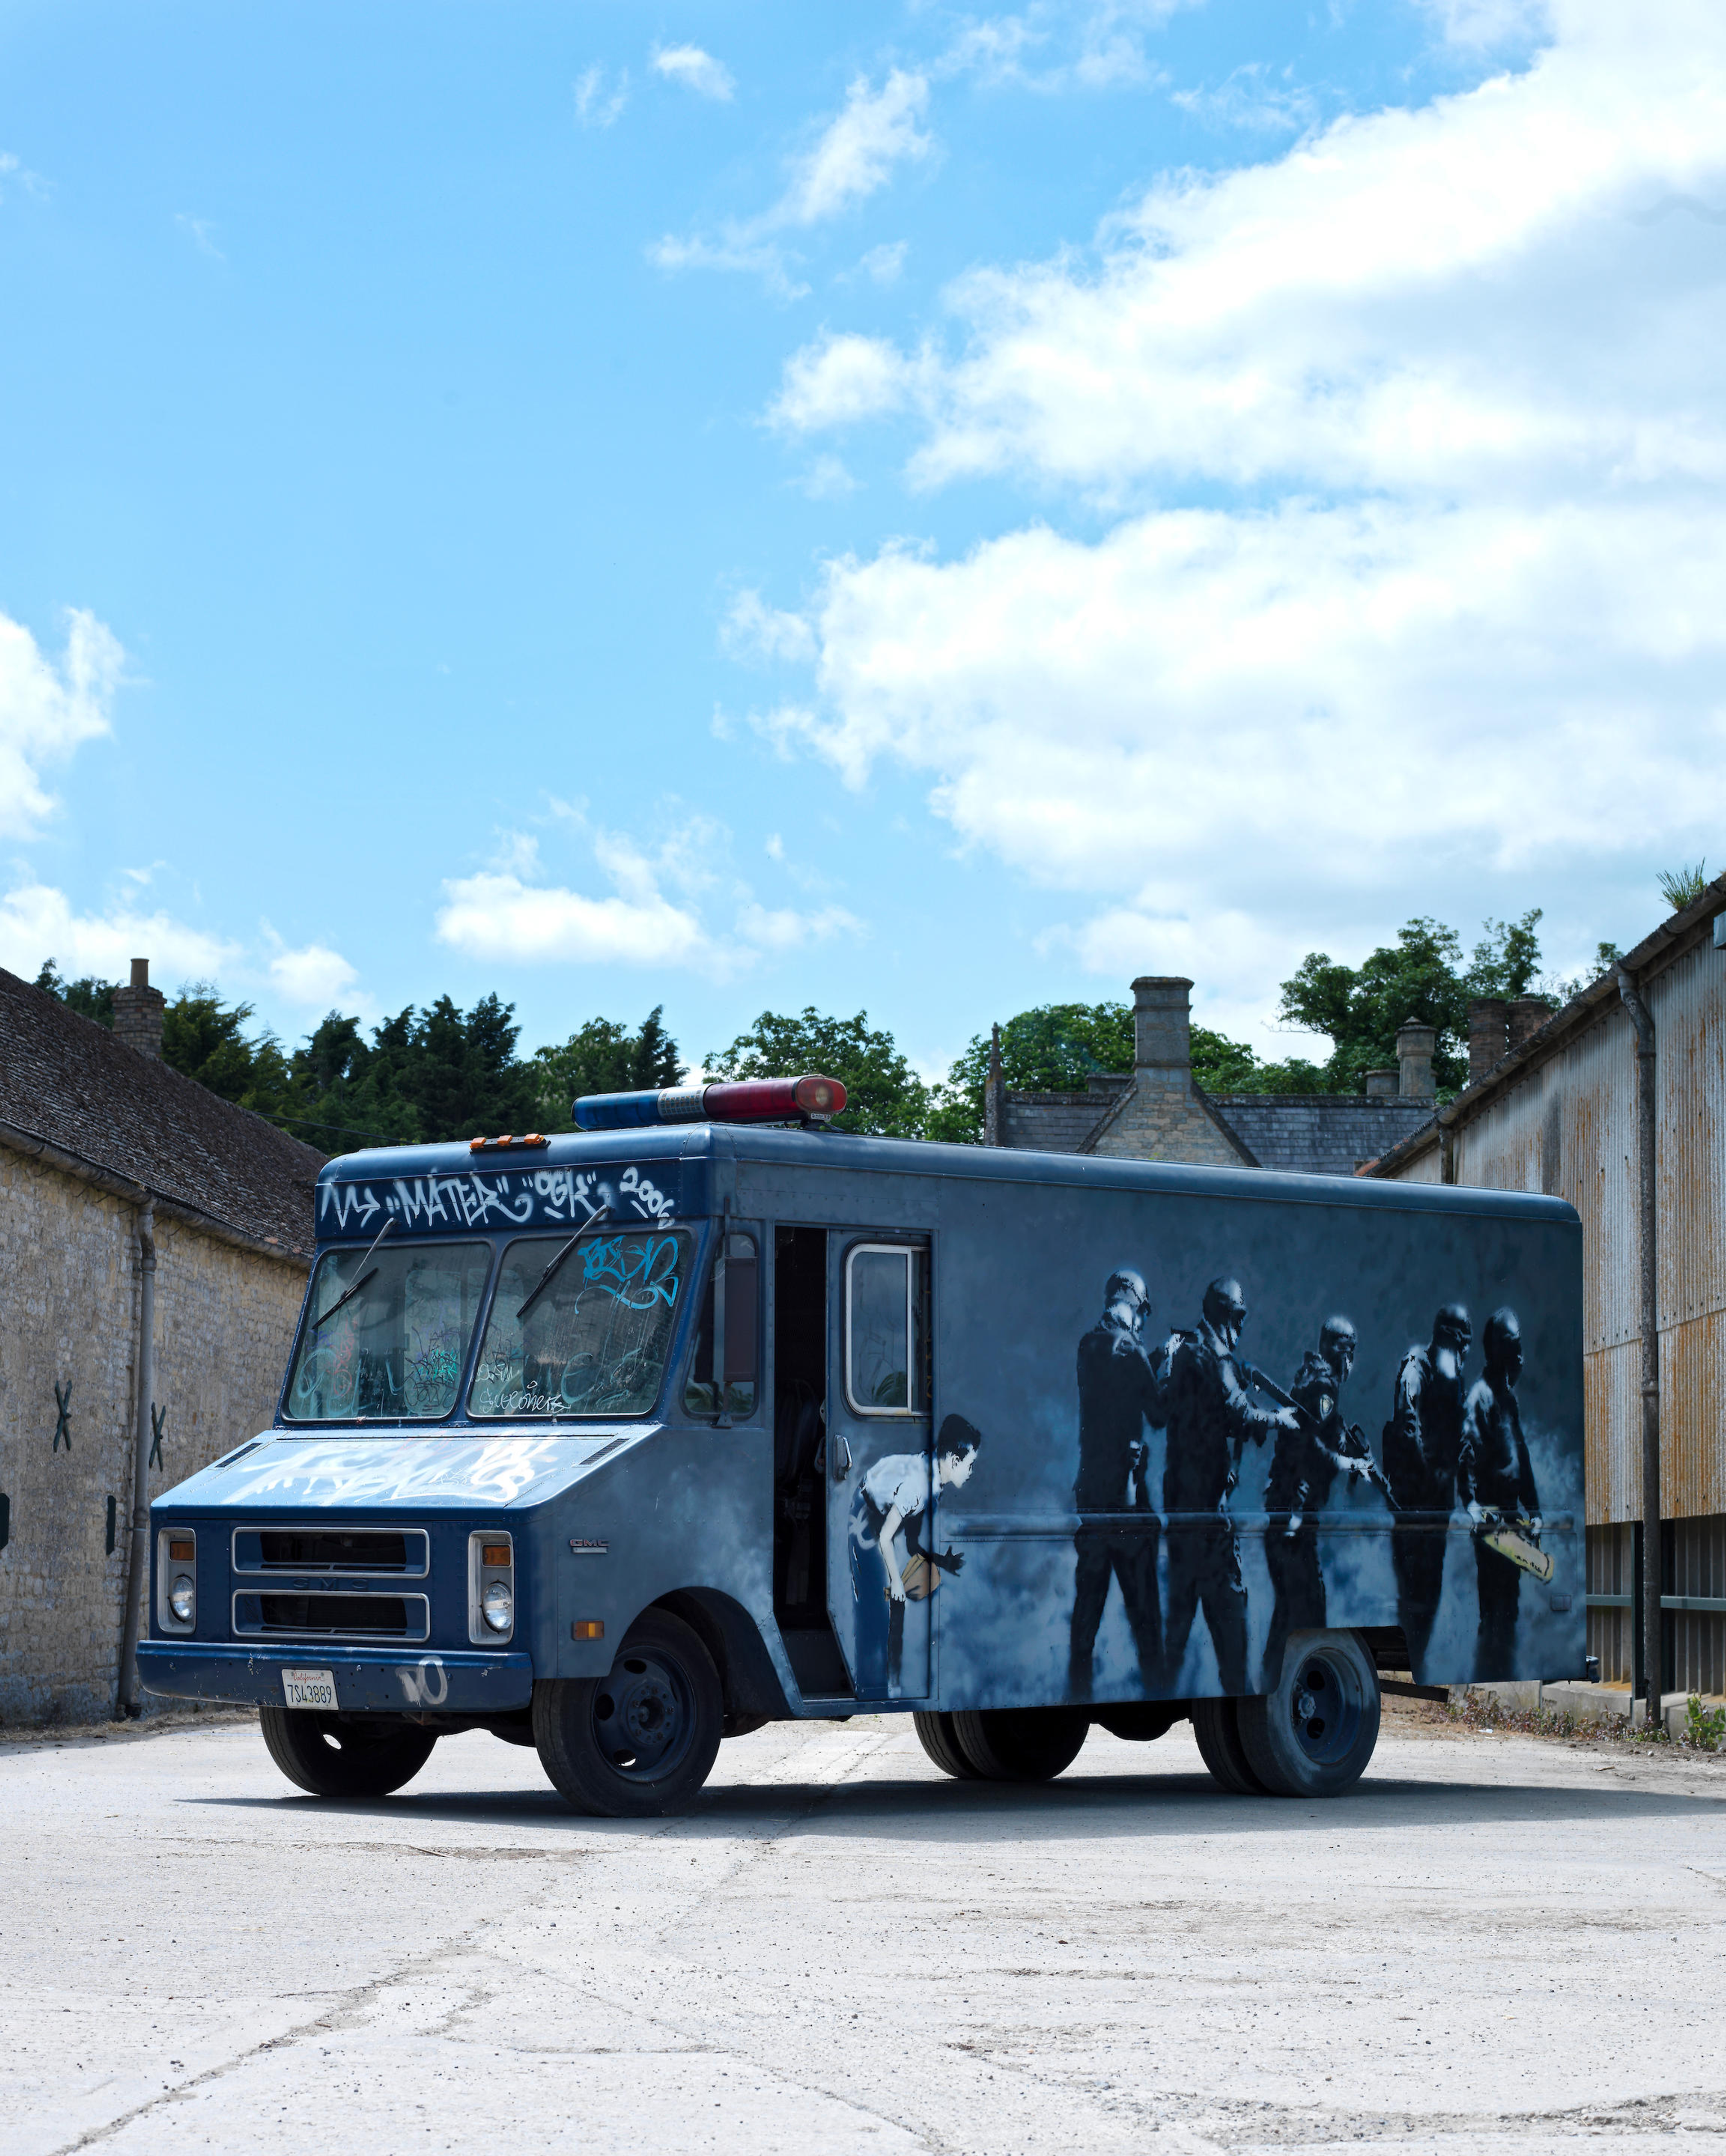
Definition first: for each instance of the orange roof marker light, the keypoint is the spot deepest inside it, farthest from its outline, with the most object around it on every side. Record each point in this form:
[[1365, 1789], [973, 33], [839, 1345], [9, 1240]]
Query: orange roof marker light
[[807, 1100]]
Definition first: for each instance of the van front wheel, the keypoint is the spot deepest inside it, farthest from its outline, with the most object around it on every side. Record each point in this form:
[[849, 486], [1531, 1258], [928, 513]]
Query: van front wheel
[[638, 1742], [1313, 1735], [344, 1755]]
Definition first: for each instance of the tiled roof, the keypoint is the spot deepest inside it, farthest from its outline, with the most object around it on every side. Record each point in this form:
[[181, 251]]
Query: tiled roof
[[1319, 1133], [67, 1081]]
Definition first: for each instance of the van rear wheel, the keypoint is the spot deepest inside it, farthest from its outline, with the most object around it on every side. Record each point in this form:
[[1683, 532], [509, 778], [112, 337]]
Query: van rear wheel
[[344, 1755], [640, 1742], [1021, 1743], [935, 1733], [1313, 1735], [1217, 1727]]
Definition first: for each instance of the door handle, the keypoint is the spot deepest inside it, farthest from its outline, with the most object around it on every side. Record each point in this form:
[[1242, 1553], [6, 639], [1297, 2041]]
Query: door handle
[[841, 1458]]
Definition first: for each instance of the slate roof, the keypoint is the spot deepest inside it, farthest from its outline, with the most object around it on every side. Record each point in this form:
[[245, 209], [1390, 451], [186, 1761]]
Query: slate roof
[[67, 1081], [1319, 1133]]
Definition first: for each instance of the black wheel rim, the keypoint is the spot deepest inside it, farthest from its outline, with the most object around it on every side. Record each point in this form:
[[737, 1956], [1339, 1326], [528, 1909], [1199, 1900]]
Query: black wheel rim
[[645, 1715], [1326, 1702]]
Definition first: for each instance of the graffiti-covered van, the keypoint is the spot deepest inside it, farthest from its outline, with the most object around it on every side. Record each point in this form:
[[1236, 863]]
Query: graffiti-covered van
[[623, 1442]]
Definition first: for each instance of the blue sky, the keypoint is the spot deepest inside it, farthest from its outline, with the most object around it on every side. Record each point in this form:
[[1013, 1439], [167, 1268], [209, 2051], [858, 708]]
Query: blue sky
[[911, 508]]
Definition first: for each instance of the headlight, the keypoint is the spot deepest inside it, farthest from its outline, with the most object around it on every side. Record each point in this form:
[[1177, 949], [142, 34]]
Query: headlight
[[498, 1606], [183, 1598]]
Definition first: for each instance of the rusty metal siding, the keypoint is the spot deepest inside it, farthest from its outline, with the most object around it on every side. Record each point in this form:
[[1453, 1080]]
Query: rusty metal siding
[[1567, 1129]]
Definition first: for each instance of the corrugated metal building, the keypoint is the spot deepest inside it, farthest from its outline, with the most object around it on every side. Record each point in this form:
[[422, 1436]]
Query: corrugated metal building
[[1558, 1114]]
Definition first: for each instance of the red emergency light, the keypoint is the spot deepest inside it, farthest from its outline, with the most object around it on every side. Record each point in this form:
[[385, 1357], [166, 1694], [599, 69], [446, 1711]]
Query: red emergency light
[[736, 1101]]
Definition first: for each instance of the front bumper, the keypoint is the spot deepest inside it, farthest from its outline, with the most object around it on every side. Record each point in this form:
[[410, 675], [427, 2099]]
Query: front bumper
[[367, 1681]]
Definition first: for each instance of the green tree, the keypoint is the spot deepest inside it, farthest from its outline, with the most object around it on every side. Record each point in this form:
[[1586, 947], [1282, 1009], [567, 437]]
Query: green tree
[[90, 997], [603, 1057], [206, 1039], [884, 1095], [1423, 976], [1051, 1049]]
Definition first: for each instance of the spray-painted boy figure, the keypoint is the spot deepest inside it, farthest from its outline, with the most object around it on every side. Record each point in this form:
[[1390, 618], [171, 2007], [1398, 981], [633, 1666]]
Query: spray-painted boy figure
[[1494, 1471], [1305, 1463], [1119, 1393], [1209, 1419], [1423, 1441], [894, 1497]]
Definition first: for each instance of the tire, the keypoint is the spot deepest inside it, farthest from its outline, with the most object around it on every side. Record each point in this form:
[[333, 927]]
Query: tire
[[640, 1743], [1216, 1726], [934, 1733], [1021, 1743], [1312, 1736], [1138, 1721], [340, 1755]]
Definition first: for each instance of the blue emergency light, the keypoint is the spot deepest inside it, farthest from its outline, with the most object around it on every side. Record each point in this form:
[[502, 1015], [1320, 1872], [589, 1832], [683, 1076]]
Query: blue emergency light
[[739, 1101]]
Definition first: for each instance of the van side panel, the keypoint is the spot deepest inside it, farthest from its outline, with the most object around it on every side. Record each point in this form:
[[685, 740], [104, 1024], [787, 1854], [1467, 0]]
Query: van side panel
[[1020, 1281]]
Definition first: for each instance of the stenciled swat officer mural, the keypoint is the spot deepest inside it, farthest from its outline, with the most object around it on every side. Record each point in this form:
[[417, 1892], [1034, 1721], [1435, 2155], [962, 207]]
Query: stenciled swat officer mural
[[1226, 1497]]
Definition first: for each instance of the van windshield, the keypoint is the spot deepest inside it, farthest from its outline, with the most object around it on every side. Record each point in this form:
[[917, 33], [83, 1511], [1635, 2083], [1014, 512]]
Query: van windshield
[[595, 1341], [398, 1347]]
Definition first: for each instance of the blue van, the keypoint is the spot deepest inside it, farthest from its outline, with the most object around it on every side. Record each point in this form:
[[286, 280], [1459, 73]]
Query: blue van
[[620, 1443]]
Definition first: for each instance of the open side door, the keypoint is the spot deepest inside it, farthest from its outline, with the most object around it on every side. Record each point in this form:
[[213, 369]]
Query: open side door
[[879, 1462]]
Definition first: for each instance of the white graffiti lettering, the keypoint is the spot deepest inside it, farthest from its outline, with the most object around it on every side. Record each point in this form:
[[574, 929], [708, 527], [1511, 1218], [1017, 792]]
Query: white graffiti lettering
[[417, 1684], [549, 1197]]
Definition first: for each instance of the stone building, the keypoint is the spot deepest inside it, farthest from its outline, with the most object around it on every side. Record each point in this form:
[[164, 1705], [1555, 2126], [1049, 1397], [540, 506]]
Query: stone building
[[1158, 1111], [1551, 1105], [101, 1143]]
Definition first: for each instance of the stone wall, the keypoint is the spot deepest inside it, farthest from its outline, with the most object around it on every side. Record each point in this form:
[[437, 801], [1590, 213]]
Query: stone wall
[[1164, 1118], [69, 1290]]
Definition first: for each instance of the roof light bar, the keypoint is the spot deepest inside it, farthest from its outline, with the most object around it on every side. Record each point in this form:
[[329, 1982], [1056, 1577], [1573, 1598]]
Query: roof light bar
[[742, 1101]]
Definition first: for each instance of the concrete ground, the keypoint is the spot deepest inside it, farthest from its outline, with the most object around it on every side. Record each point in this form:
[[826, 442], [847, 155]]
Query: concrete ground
[[1496, 1943]]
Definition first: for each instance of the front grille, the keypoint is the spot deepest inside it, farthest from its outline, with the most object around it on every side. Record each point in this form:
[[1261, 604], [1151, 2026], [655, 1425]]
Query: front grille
[[333, 1616], [405, 1552], [295, 1549]]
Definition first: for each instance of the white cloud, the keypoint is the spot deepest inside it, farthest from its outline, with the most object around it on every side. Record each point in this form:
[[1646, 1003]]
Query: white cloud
[[885, 263], [842, 378], [1478, 25], [788, 928], [696, 70], [852, 158], [48, 709], [200, 230], [38, 923], [828, 479], [595, 105], [659, 912], [314, 977], [1404, 300], [1249, 99], [753, 630], [1446, 627], [498, 915], [13, 171], [856, 153]]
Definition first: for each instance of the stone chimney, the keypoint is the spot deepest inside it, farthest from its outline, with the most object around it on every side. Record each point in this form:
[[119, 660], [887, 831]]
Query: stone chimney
[[1163, 1030], [137, 1012], [994, 1092], [1415, 1044], [1381, 1085], [1528, 1015], [1488, 1035]]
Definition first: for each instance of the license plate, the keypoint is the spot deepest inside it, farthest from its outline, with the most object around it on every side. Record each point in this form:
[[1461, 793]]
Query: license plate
[[309, 1688]]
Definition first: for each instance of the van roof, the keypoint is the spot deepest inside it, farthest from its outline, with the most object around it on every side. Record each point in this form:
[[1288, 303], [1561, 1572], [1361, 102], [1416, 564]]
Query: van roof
[[837, 1152]]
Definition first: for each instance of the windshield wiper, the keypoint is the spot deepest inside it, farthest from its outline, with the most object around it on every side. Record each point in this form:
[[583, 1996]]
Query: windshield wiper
[[348, 1294], [544, 1281]]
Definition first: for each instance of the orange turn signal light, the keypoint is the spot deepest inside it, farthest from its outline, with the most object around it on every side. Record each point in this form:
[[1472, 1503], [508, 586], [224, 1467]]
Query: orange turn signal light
[[588, 1628], [494, 1553], [182, 1552]]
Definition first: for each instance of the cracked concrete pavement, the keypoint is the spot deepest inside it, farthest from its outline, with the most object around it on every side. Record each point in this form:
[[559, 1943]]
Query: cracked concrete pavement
[[1496, 1943]]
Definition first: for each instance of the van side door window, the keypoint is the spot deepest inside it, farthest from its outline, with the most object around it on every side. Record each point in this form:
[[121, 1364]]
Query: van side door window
[[730, 1311], [879, 1485]]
